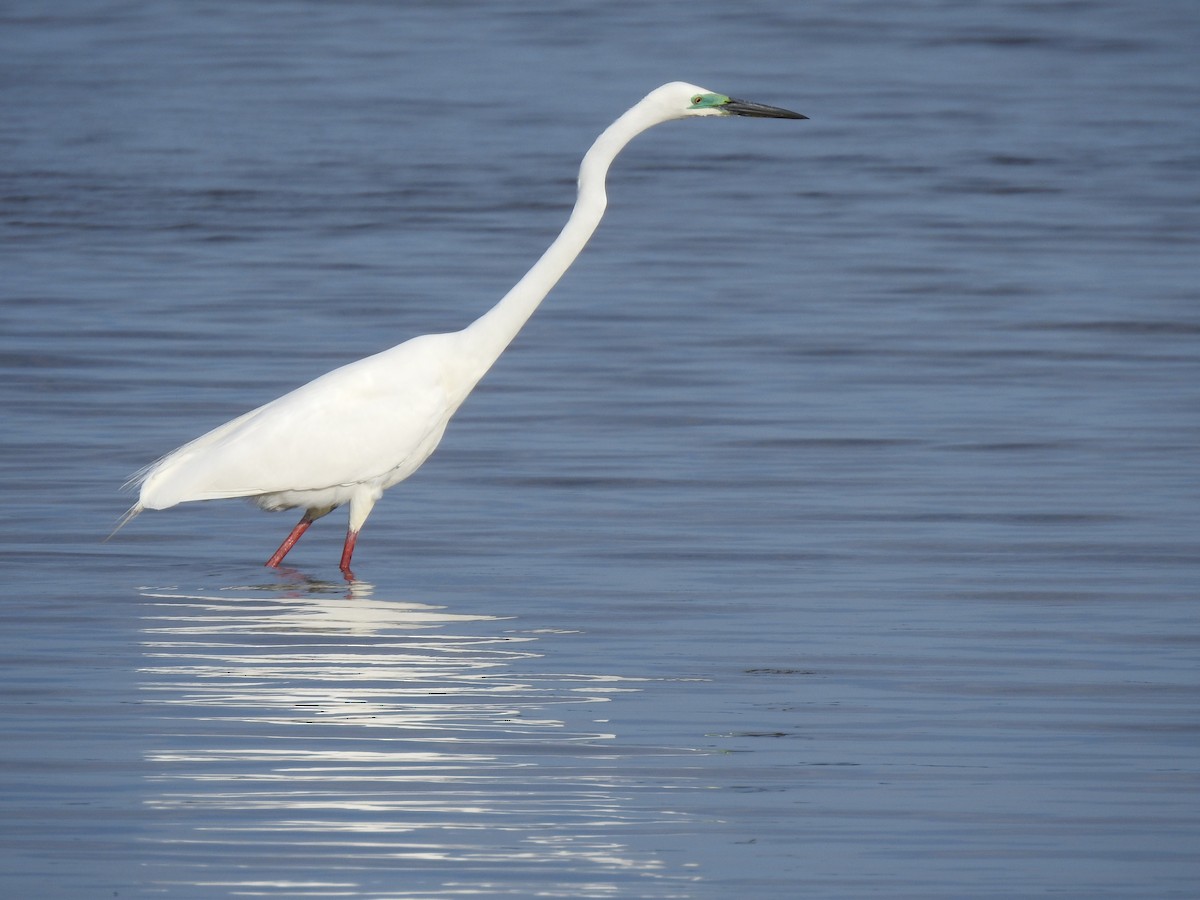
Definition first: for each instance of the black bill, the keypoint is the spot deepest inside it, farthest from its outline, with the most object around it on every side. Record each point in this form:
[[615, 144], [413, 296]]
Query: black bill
[[758, 110]]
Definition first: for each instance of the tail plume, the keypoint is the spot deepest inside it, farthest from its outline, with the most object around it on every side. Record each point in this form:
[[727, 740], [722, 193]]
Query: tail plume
[[129, 514]]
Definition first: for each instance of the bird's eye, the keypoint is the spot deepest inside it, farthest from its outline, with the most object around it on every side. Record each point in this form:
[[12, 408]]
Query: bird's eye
[[696, 100]]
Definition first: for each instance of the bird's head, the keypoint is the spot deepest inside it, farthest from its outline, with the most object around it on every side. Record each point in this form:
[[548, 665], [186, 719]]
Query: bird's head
[[687, 100]]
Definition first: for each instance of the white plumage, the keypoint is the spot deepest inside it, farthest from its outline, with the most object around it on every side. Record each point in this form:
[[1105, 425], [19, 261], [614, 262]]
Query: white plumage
[[349, 435]]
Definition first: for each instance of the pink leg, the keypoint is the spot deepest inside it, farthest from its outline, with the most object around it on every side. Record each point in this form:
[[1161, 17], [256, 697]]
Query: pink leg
[[348, 551], [290, 541]]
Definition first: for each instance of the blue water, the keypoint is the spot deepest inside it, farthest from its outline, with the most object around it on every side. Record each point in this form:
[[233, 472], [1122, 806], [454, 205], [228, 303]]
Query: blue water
[[832, 531]]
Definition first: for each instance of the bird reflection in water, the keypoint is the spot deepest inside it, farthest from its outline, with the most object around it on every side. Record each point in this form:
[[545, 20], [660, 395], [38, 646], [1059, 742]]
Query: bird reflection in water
[[309, 746]]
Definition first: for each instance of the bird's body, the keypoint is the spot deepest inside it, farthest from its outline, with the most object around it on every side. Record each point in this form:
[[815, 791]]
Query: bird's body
[[401, 399], [349, 435]]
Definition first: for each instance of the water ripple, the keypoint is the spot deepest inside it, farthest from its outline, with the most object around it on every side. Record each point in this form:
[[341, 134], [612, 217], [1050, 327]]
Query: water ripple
[[310, 732]]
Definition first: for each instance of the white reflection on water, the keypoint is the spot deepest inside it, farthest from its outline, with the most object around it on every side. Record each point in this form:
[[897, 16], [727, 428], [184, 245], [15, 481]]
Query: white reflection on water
[[306, 741]]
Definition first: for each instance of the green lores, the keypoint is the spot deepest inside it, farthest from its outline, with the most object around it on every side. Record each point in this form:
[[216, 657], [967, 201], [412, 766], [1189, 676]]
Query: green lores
[[709, 101]]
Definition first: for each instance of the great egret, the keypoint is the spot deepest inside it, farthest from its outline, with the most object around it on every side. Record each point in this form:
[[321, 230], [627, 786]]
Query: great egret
[[354, 432]]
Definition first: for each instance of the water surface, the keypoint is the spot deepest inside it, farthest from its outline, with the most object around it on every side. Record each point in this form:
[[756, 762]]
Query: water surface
[[830, 532]]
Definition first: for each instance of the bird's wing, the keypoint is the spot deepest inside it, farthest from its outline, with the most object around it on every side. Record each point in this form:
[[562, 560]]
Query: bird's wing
[[353, 425]]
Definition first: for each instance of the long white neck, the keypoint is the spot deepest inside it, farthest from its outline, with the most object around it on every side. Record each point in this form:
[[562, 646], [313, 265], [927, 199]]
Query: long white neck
[[488, 335]]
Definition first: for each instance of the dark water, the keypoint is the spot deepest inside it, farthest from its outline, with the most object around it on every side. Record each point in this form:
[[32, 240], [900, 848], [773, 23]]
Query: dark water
[[833, 531]]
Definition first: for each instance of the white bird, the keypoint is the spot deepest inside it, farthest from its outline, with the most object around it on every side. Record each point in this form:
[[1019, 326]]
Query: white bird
[[356, 431]]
